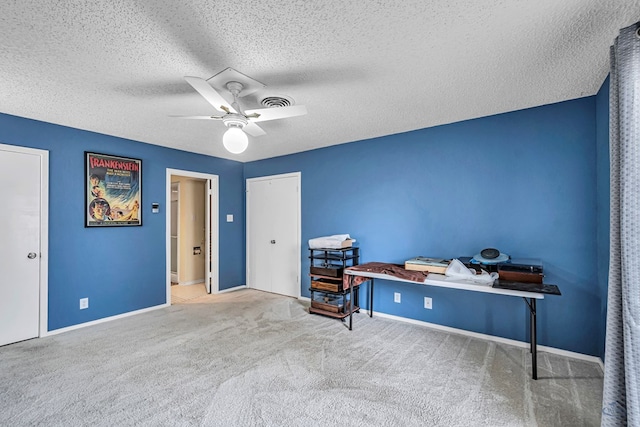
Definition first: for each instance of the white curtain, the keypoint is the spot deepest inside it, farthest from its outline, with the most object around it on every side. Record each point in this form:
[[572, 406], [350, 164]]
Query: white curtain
[[621, 400]]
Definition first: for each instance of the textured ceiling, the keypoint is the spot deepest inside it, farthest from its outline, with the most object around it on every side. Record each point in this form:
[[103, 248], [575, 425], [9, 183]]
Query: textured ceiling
[[362, 68]]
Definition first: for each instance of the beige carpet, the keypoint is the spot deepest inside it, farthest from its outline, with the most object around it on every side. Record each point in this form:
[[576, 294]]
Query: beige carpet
[[249, 358]]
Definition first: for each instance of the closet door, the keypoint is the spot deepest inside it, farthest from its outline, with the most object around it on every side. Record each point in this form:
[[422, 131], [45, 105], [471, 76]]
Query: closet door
[[259, 219], [273, 228]]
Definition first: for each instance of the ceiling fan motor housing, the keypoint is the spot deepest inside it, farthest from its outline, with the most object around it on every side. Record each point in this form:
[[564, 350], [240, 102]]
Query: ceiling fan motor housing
[[234, 120]]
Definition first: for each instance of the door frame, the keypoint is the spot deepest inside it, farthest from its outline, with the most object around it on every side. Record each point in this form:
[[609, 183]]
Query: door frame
[[177, 235], [212, 230], [43, 323], [298, 176]]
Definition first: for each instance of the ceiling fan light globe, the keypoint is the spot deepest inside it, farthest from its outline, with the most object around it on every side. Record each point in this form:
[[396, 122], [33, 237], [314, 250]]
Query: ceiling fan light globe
[[235, 140]]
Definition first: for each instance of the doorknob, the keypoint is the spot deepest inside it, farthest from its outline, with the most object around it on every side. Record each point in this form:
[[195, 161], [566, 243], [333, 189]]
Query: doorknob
[[32, 255], [273, 242]]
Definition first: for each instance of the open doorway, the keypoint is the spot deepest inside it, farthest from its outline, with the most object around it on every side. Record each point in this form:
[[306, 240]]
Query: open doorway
[[192, 235]]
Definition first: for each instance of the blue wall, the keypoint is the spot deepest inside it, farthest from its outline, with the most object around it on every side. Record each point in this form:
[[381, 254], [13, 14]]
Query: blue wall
[[118, 269], [523, 182], [603, 192], [533, 183]]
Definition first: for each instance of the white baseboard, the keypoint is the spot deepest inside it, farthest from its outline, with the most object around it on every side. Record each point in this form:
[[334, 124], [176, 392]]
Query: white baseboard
[[553, 350], [120, 316], [558, 351], [104, 319]]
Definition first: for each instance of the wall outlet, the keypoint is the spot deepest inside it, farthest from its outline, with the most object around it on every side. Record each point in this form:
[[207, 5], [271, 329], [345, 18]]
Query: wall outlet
[[84, 303], [428, 303], [396, 297]]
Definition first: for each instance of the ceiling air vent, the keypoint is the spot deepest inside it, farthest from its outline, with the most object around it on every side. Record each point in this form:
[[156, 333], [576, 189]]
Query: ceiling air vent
[[276, 101]]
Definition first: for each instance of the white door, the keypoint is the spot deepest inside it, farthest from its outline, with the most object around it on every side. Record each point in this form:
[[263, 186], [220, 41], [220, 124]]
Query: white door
[[19, 246], [273, 234], [259, 235], [210, 207], [285, 252]]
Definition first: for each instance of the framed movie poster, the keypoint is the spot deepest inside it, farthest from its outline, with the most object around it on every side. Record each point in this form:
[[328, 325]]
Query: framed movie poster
[[113, 191]]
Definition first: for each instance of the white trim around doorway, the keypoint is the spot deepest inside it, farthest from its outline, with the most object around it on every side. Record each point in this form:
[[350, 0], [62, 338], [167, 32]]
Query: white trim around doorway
[[214, 219]]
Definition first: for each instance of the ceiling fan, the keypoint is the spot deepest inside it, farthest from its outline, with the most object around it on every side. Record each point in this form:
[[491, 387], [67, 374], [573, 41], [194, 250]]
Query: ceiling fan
[[237, 120]]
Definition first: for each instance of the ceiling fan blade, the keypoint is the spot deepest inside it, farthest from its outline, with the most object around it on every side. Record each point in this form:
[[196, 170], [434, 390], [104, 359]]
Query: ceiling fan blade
[[253, 129], [199, 117], [277, 113], [209, 93]]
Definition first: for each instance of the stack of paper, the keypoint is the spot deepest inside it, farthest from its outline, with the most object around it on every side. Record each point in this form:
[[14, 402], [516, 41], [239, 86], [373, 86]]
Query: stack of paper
[[432, 265]]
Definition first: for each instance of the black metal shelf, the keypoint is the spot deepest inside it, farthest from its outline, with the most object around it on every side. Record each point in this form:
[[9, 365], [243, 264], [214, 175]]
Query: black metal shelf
[[337, 259], [342, 254]]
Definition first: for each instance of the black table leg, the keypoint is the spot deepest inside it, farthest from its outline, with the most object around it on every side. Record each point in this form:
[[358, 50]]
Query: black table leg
[[371, 298], [534, 340], [533, 332], [351, 307], [356, 297]]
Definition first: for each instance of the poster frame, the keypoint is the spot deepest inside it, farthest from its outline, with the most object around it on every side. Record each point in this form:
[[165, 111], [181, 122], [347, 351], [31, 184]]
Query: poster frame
[[106, 175]]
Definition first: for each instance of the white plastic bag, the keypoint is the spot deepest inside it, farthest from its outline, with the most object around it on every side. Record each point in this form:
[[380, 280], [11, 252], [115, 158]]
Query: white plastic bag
[[458, 271]]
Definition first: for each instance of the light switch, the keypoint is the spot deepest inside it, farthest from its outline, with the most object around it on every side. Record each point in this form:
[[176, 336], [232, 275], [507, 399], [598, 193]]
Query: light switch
[[229, 218]]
